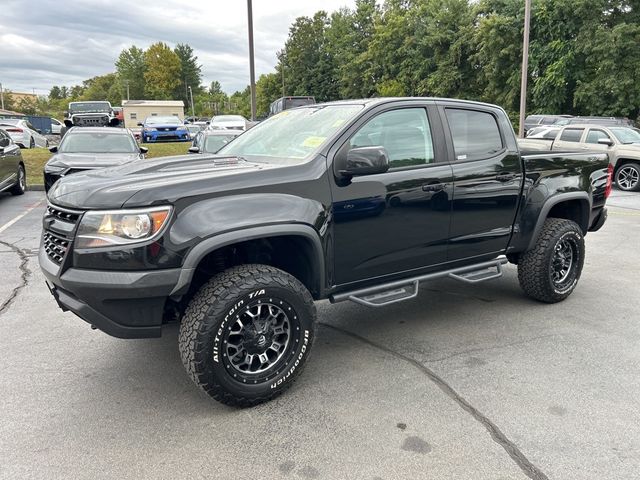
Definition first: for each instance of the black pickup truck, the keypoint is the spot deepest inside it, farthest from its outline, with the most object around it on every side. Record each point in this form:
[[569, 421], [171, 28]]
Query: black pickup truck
[[352, 200]]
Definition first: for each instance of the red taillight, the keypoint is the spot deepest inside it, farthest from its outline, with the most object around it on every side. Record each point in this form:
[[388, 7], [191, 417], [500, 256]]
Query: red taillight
[[18, 130], [607, 189]]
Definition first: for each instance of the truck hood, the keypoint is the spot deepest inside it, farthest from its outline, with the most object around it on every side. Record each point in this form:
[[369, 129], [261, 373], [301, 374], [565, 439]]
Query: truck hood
[[90, 160], [158, 181]]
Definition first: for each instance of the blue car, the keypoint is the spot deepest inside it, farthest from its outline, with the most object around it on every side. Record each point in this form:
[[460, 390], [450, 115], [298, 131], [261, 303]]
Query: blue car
[[164, 129]]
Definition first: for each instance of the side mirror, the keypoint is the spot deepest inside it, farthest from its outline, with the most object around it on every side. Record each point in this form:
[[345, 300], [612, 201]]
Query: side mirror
[[53, 149], [140, 124], [605, 141], [208, 123], [366, 161], [194, 149], [144, 150], [39, 131]]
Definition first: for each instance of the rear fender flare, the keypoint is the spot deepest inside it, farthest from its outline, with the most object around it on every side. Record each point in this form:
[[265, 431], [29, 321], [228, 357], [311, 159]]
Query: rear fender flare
[[552, 202]]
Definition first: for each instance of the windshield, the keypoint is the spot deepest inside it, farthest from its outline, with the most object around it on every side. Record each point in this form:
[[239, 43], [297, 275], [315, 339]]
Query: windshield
[[213, 143], [228, 118], [625, 135], [163, 121], [292, 134], [84, 142], [87, 107]]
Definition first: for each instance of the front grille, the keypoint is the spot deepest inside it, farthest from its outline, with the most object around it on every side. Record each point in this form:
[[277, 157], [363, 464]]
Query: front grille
[[65, 215], [58, 235], [56, 247]]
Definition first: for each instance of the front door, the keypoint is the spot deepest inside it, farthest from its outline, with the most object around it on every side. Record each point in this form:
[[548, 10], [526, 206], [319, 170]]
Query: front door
[[399, 220], [487, 178]]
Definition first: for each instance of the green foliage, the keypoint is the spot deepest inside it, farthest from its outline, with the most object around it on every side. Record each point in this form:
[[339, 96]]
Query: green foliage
[[190, 74], [162, 73], [268, 89], [131, 67]]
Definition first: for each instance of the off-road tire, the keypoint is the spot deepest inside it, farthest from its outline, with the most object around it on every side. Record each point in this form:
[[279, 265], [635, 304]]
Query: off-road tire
[[208, 320], [535, 267], [21, 184]]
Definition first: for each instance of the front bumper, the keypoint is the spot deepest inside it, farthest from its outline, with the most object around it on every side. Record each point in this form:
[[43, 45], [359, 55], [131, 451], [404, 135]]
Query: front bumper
[[121, 304], [170, 136]]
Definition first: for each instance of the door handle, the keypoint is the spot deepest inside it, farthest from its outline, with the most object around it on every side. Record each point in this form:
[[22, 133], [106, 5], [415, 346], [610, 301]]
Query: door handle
[[505, 177], [433, 187]]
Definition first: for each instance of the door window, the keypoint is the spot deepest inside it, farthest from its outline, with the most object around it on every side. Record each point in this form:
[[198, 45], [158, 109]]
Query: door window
[[572, 134], [404, 133], [475, 134], [594, 135]]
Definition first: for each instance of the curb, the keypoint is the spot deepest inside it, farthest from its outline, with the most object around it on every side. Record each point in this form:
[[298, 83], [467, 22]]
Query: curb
[[35, 188]]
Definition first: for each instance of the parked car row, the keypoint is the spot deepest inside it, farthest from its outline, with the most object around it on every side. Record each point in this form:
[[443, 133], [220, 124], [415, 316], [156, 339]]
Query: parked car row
[[23, 133], [533, 121], [622, 144]]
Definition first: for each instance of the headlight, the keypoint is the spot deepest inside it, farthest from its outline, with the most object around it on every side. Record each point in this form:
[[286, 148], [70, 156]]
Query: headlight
[[149, 129], [54, 169], [120, 227]]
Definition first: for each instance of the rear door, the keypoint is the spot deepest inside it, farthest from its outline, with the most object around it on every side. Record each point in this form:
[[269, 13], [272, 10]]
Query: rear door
[[487, 178]]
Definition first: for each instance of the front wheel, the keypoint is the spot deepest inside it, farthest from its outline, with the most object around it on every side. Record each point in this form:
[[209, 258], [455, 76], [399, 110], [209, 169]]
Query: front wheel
[[247, 333], [628, 177], [550, 271]]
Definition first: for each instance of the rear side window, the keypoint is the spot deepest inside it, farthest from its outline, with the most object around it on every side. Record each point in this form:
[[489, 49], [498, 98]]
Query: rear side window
[[475, 134], [572, 134]]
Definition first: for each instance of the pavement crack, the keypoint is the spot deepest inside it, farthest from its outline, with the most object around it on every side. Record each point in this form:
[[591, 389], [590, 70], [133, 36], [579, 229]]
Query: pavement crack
[[528, 468], [24, 277], [494, 347]]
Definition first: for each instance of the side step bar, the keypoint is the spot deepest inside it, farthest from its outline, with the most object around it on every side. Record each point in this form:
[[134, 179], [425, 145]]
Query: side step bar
[[406, 289]]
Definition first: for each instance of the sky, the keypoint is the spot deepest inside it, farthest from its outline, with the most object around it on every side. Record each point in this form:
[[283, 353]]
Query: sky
[[63, 42]]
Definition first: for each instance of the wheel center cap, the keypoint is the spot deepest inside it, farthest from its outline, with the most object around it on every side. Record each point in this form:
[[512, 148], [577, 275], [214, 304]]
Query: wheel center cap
[[261, 340]]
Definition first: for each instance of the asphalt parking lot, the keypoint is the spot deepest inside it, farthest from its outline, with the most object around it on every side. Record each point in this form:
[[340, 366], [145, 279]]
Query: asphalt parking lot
[[462, 383]]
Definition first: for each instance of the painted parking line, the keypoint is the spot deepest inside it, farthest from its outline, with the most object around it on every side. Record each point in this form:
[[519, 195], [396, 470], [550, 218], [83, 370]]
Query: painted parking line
[[23, 214]]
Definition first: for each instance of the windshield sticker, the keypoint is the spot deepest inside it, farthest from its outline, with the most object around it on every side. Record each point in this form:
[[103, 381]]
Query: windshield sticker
[[462, 157], [313, 141]]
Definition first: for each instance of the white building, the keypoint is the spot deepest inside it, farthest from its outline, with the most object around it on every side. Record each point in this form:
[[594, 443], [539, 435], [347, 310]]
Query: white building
[[135, 111]]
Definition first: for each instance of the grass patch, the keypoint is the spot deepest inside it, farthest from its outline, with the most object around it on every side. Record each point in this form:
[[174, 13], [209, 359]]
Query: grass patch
[[35, 158]]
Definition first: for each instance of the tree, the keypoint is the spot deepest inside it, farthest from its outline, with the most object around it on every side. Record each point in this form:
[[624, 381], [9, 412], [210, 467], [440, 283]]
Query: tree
[[131, 68], [268, 89], [190, 73], [162, 74], [64, 92], [103, 87], [55, 93]]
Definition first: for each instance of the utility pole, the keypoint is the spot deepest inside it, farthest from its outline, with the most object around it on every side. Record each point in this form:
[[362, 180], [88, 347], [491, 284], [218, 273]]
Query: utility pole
[[252, 73], [127, 90], [193, 110], [1, 97], [525, 66]]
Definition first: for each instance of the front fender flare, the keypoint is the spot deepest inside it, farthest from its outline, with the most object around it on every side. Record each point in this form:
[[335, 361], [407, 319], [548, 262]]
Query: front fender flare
[[202, 249]]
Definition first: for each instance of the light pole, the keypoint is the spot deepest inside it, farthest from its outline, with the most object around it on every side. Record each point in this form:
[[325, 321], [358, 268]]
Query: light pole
[[252, 73], [1, 96], [525, 66], [193, 110]]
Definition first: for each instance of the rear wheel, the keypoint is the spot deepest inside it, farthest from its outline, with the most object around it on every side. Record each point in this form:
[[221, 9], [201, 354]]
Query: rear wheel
[[21, 185], [550, 271], [628, 177], [247, 333]]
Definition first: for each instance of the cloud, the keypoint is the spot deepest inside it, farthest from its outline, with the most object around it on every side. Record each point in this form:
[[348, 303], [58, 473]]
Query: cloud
[[64, 43]]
